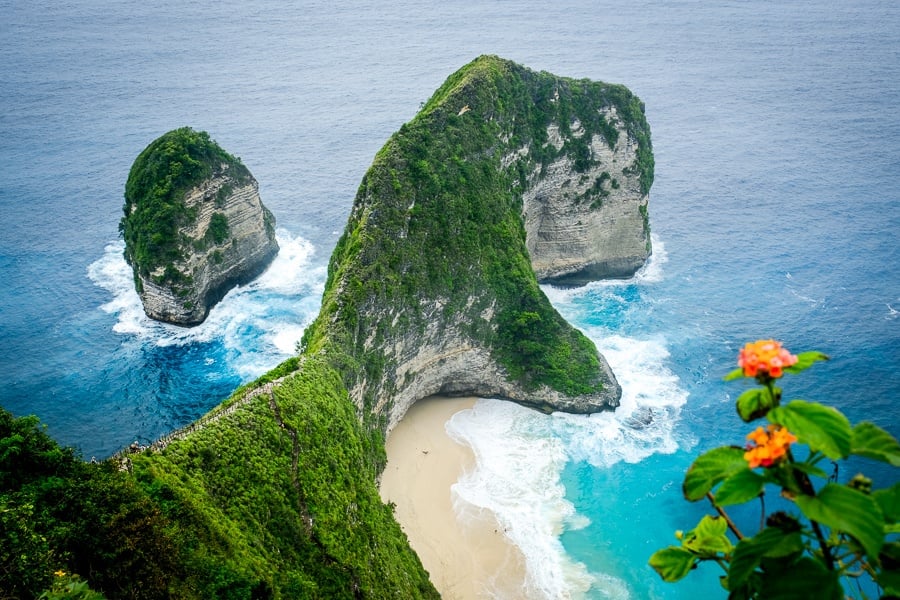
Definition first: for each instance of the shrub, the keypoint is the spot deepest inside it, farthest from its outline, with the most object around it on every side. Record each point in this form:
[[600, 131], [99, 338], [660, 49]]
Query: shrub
[[834, 539]]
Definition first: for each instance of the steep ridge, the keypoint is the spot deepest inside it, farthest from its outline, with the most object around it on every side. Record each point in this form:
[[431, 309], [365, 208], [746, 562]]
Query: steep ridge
[[431, 288]]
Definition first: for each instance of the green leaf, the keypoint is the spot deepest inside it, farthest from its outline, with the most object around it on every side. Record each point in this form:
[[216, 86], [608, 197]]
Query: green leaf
[[807, 578], [709, 469], [847, 510], [889, 501], [889, 576], [805, 467], [736, 374], [740, 487], [754, 404], [672, 563], [708, 538], [890, 581], [823, 428], [771, 542], [872, 441], [805, 360]]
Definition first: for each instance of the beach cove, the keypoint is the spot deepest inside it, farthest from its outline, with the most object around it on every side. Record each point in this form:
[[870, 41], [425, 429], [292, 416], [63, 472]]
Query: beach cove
[[467, 557]]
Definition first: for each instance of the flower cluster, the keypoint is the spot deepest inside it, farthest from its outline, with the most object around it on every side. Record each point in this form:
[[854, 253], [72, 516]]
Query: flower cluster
[[765, 357], [770, 445]]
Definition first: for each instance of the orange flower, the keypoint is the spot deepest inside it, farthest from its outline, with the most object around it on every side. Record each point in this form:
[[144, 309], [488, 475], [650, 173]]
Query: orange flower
[[770, 445], [765, 357]]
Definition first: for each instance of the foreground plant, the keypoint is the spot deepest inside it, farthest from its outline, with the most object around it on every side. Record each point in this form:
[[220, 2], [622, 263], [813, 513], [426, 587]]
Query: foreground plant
[[836, 540]]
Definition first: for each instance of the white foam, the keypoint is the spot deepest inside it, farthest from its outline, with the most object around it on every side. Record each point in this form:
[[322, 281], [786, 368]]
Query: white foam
[[521, 453], [518, 480], [644, 423], [258, 324], [650, 272]]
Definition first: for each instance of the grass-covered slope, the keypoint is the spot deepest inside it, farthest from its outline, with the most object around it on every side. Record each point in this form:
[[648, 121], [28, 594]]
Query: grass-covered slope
[[274, 496]]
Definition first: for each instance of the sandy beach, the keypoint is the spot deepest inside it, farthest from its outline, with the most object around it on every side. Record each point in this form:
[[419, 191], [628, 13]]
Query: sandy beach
[[465, 560]]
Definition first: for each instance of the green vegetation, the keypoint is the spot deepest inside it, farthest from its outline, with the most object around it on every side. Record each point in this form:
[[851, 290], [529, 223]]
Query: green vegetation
[[437, 219], [218, 228], [154, 199], [276, 500], [834, 540], [273, 495], [58, 513]]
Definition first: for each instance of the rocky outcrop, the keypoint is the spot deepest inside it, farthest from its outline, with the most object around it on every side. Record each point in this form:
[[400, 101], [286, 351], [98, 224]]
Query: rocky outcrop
[[193, 240], [588, 225], [432, 287], [445, 362]]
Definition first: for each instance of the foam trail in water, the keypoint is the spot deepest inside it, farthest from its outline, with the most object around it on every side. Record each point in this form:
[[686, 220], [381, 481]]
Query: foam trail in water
[[258, 324], [517, 477], [650, 272], [520, 453]]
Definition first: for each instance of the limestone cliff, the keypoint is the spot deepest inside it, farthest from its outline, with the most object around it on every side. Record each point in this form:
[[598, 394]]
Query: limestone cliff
[[431, 288], [588, 222], [194, 226]]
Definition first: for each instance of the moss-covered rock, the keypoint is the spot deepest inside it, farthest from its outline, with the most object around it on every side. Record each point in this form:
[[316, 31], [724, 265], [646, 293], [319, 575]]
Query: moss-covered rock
[[194, 226]]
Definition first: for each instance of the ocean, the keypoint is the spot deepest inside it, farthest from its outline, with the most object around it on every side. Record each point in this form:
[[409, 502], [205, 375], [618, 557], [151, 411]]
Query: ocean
[[775, 213]]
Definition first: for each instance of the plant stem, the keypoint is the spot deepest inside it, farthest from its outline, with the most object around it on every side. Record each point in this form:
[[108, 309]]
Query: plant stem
[[725, 516], [776, 400], [807, 488], [762, 511]]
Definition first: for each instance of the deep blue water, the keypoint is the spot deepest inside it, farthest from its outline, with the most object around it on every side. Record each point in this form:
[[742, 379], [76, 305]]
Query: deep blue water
[[776, 130]]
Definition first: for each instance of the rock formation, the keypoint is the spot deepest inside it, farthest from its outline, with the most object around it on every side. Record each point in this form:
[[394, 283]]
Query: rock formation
[[194, 226], [589, 224], [432, 290]]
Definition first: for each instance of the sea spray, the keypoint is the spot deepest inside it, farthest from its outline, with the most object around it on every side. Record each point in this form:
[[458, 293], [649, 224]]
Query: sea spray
[[521, 454], [257, 325]]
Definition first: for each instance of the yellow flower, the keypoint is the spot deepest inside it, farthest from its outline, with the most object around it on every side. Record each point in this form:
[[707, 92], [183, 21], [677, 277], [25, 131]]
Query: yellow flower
[[60, 573]]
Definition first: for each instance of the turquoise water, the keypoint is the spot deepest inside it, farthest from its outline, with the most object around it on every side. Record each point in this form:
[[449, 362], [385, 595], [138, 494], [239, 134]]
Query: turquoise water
[[776, 129]]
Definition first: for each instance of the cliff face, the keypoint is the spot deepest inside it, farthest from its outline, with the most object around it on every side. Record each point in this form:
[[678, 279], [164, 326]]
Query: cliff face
[[194, 226], [432, 289], [589, 224]]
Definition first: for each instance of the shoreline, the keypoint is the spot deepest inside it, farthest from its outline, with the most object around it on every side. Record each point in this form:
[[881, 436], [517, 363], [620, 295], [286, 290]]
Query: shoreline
[[465, 560]]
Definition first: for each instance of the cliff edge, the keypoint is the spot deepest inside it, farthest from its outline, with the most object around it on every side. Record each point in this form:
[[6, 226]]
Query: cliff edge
[[432, 288], [194, 226]]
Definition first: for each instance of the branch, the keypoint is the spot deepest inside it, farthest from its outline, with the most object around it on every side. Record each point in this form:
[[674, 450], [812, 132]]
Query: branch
[[725, 516]]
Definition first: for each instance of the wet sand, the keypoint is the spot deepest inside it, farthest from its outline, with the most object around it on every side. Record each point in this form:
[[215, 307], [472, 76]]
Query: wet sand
[[466, 560]]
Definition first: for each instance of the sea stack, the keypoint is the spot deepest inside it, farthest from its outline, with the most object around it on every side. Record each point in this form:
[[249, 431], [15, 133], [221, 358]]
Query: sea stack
[[194, 226], [505, 178]]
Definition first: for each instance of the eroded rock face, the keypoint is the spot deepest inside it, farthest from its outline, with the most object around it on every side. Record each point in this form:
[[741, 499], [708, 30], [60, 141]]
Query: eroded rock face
[[214, 267], [448, 362], [432, 289], [194, 226], [589, 225]]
